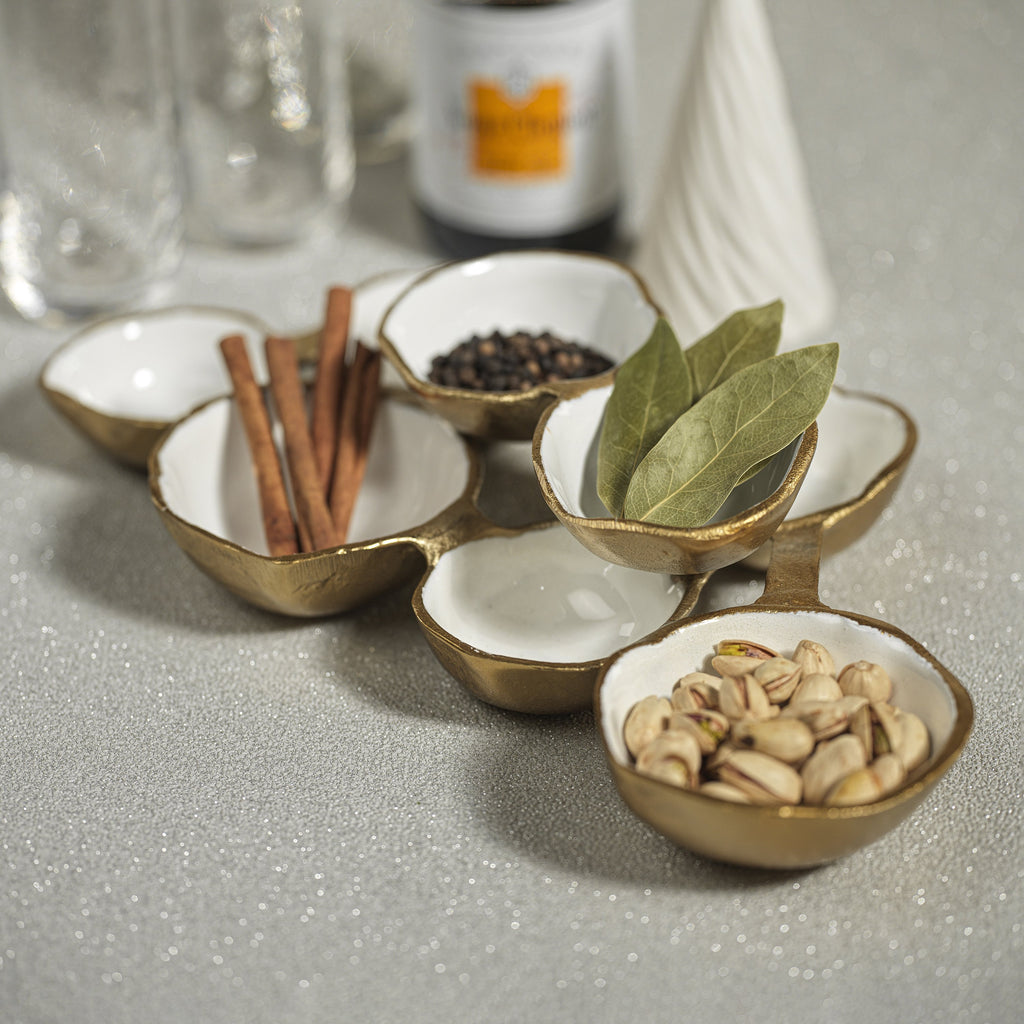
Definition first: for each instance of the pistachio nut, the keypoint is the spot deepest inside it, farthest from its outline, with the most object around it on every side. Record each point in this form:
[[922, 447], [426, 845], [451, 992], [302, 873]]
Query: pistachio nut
[[766, 780], [913, 743], [744, 697], [831, 761], [825, 718], [672, 756], [881, 777], [779, 677], [851, 702], [862, 786], [734, 664], [891, 771], [816, 686], [866, 679], [787, 739], [746, 648], [723, 791], [814, 658], [695, 690], [646, 719], [709, 727]]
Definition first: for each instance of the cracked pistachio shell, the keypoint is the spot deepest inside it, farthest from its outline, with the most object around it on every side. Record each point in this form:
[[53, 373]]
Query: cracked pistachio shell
[[814, 658], [744, 648], [766, 780], [744, 697], [913, 743], [875, 726], [725, 750], [862, 786], [710, 727], [734, 664], [831, 761], [866, 679], [672, 756], [695, 690], [787, 739], [646, 719], [723, 791], [779, 677], [816, 686], [825, 718]]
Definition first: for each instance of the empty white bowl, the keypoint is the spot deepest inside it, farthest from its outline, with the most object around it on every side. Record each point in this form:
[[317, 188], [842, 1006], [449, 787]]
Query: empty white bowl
[[124, 380], [525, 618]]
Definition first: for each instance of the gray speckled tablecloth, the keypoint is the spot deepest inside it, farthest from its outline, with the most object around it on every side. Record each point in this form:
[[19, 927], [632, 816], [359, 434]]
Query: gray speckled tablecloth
[[208, 813]]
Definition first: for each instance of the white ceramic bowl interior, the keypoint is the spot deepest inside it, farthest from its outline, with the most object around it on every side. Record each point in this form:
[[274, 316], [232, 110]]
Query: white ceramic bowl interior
[[417, 467], [568, 456], [542, 596], [857, 438], [585, 299], [155, 365], [654, 668]]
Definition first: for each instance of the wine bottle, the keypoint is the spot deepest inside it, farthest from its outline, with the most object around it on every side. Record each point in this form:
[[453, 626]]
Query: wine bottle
[[521, 113]]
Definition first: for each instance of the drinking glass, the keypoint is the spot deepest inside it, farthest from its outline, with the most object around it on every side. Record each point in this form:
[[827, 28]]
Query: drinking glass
[[265, 117], [90, 195]]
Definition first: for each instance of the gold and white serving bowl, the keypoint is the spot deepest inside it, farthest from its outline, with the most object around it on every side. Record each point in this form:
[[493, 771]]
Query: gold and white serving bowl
[[589, 299], [786, 837], [420, 476], [565, 459]]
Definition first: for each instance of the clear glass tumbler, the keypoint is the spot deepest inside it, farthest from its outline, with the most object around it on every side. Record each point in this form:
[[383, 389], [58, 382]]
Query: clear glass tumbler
[[265, 117], [91, 196]]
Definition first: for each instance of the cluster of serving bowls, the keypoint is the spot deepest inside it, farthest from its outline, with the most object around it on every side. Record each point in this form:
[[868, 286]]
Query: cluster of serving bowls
[[557, 616]]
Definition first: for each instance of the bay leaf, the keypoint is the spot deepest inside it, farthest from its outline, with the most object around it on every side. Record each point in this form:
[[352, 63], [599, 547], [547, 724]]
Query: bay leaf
[[746, 337], [751, 416], [652, 389]]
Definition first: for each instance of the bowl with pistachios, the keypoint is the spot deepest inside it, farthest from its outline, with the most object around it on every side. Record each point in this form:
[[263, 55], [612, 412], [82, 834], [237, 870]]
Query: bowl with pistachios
[[781, 735], [489, 343]]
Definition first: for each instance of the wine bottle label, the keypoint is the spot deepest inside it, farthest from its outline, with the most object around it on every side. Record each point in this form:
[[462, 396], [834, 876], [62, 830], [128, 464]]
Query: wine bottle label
[[521, 113]]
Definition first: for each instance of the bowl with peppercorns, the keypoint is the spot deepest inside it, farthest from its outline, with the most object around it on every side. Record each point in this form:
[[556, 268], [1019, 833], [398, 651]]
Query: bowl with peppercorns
[[490, 343]]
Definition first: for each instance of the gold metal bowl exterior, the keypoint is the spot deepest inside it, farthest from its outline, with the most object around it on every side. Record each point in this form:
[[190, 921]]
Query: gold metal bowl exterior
[[675, 550]]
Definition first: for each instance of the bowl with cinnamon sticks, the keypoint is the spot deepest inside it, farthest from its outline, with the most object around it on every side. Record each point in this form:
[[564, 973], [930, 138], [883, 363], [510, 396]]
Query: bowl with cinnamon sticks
[[310, 498], [490, 343]]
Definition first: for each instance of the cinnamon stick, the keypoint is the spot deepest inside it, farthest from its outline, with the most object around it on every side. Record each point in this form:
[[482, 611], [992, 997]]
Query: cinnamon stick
[[329, 382], [289, 397], [358, 408], [278, 524]]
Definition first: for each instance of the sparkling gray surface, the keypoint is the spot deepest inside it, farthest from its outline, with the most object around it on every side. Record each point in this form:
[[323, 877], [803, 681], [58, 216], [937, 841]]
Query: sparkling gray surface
[[210, 813]]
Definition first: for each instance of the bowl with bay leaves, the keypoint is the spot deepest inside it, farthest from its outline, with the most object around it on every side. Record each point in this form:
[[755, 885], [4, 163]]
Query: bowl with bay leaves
[[489, 343], [692, 458]]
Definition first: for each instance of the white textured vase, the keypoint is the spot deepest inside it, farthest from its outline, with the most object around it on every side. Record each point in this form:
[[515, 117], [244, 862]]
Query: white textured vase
[[732, 224]]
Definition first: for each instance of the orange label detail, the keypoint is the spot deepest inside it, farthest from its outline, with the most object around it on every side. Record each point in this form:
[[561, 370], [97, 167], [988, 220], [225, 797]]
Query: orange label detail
[[517, 139]]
